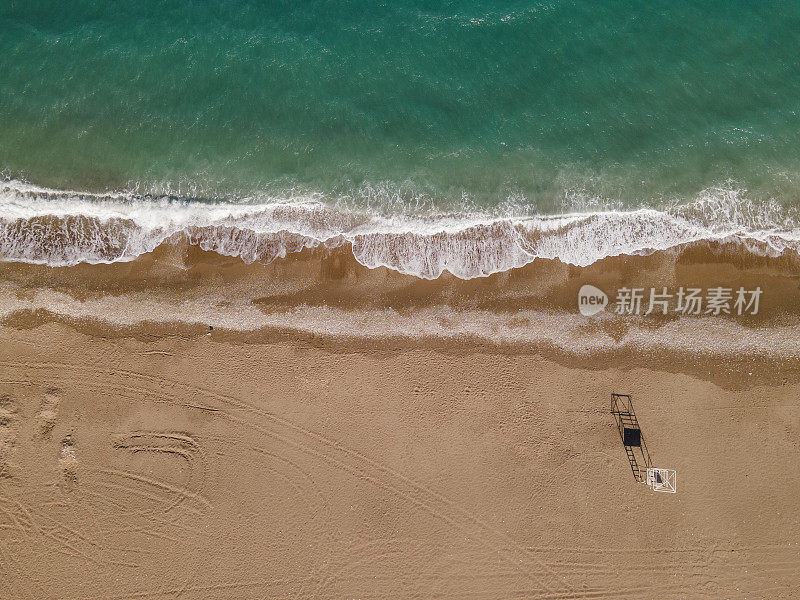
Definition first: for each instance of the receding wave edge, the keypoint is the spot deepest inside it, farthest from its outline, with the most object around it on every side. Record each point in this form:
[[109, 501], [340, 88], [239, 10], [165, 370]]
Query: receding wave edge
[[64, 228]]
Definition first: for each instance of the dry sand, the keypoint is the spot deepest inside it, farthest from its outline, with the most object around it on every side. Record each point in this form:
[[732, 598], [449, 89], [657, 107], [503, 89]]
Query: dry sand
[[193, 467]]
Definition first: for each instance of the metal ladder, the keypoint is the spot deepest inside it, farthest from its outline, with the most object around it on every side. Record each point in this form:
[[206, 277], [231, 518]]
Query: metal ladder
[[622, 409]]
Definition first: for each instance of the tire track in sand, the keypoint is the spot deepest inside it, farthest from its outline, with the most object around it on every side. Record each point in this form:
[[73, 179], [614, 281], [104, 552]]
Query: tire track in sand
[[314, 444]]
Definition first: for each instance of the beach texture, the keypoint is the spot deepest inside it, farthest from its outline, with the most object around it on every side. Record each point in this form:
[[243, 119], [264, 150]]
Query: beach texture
[[187, 426], [174, 467]]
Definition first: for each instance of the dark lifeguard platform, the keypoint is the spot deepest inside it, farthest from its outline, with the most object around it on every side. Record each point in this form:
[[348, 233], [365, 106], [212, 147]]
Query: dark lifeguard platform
[[631, 435]]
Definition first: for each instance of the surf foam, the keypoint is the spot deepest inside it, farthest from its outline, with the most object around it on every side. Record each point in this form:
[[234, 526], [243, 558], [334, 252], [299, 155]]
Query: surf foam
[[63, 228]]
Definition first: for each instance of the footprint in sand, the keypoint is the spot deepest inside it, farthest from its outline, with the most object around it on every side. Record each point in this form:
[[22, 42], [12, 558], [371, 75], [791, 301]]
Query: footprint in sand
[[46, 417], [9, 427], [68, 461]]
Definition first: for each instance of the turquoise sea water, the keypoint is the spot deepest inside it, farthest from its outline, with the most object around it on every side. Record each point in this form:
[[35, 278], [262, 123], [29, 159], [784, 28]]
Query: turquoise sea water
[[488, 99], [543, 107]]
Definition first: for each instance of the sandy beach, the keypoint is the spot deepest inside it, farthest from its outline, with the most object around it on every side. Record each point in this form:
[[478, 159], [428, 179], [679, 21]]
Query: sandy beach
[[149, 456]]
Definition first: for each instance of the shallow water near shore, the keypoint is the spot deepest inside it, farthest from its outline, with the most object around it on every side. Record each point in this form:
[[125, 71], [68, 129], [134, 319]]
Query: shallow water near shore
[[429, 108]]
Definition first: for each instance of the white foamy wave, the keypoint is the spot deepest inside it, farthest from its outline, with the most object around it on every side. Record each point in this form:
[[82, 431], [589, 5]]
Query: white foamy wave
[[64, 228]]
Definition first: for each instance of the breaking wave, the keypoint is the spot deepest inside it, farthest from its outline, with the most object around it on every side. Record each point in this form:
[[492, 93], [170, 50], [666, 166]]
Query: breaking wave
[[64, 228]]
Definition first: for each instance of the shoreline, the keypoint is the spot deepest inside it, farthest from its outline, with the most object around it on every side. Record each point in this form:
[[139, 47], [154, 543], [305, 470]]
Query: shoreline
[[63, 228], [728, 371], [327, 299]]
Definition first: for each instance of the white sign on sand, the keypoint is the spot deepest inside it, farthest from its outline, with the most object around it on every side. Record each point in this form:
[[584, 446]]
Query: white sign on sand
[[662, 480]]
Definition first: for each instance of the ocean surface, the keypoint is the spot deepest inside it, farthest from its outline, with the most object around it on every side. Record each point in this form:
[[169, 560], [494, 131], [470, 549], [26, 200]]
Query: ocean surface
[[468, 137]]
